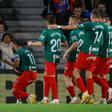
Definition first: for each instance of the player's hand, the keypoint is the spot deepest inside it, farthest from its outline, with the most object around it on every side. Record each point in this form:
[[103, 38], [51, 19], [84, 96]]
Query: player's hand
[[66, 54], [91, 58], [52, 26], [29, 43]]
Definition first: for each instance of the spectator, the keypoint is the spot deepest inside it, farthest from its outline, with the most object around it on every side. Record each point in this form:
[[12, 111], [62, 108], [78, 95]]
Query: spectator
[[3, 29], [101, 7], [59, 6], [3, 22], [6, 48], [77, 12], [86, 16], [48, 5]]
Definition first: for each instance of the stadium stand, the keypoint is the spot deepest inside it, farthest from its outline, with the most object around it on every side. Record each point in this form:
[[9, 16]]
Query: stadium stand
[[23, 20]]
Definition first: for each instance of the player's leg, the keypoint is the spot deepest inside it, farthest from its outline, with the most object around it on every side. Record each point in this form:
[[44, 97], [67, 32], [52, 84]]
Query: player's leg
[[46, 89], [68, 74], [102, 68], [104, 86], [104, 72], [26, 78], [50, 72], [81, 64]]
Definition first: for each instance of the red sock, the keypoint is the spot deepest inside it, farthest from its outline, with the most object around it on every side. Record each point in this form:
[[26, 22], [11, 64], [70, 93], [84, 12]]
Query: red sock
[[80, 84], [46, 86], [90, 86], [71, 91], [104, 90], [104, 93], [103, 84], [53, 85]]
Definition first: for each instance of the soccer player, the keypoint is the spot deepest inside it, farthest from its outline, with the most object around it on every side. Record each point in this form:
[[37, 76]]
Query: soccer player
[[23, 62], [75, 38], [88, 52], [51, 39], [102, 64]]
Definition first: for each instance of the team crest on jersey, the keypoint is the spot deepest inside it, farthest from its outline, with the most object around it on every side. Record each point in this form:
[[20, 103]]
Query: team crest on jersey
[[42, 37]]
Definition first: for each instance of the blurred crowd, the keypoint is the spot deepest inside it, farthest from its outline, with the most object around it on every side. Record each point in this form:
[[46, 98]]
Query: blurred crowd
[[81, 9], [5, 44], [62, 10]]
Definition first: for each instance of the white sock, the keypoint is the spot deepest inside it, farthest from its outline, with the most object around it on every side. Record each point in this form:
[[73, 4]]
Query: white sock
[[110, 92], [74, 98], [45, 98], [103, 99]]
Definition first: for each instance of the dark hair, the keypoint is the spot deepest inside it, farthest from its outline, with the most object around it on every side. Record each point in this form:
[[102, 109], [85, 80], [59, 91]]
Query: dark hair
[[96, 13], [74, 17], [104, 14], [51, 19], [101, 2], [19, 42], [77, 6], [4, 24], [5, 34]]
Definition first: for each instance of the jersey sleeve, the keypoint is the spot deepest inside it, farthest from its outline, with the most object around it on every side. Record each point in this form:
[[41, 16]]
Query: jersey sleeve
[[85, 26], [43, 36], [73, 37], [63, 38]]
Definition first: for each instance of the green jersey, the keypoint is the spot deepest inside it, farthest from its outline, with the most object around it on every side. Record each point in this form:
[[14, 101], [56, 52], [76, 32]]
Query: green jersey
[[27, 61], [109, 48], [106, 49], [52, 44], [75, 36], [93, 37]]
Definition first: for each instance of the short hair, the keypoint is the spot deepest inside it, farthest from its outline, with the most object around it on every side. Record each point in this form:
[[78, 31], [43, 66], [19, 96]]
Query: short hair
[[5, 34], [104, 14], [101, 2], [74, 17], [19, 42], [51, 19], [96, 13]]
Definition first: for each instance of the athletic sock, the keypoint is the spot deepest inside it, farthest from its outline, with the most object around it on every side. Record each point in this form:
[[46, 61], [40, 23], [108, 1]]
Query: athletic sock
[[53, 85], [46, 86], [81, 85], [71, 91], [90, 86]]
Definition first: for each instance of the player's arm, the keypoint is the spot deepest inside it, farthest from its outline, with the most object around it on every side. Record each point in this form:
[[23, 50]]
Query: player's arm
[[66, 27], [68, 51], [35, 44], [40, 41], [15, 63]]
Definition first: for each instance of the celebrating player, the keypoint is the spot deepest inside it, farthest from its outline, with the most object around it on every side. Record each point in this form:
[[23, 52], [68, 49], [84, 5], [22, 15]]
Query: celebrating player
[[103, 62], [75, 37], [51, 40], [23, 62]]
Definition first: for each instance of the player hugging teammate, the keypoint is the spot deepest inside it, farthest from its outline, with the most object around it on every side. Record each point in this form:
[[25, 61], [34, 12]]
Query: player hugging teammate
[[90, 49], [94, 57]]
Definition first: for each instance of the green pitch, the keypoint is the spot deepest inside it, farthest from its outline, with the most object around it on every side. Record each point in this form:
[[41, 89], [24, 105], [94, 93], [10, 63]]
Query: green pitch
[[54, 108]]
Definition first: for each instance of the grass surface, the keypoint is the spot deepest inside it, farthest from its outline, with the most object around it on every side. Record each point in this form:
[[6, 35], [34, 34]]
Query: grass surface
[[54, 108]]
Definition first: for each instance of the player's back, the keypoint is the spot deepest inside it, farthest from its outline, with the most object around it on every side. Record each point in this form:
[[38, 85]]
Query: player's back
[[27, 61], [93, 37], [52, 43], [109, 48]]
